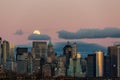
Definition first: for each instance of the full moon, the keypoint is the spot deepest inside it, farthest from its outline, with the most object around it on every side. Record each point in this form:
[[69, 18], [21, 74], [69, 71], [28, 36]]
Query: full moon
[[36, 32]]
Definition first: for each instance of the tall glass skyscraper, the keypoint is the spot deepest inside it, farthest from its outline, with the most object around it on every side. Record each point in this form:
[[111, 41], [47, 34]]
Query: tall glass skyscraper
[[99, 63]]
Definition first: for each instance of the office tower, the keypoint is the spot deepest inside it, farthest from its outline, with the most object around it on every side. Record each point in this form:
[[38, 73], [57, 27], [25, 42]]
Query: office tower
[[75, 66], [22, 60], [50, 47], [74, 49], [83, 62], [106, 66], [67, 51], [52, 55], [30, 63], [78, 72], [114, 53], [71, 68], [91, 65], [9, 65], [5, 51], [51, 52], [12, 51], [40, 49], [20, 53], [99, 63], [61, 66], [95, 64]]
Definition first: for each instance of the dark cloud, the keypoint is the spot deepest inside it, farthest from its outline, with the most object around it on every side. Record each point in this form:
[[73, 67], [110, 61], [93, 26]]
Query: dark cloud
[[90, 33], [38, 37], [19, 32]]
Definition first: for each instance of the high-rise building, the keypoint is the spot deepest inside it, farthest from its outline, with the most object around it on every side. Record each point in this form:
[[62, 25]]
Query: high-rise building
[[99, 63], [67, 52], [107, 66], [50, 47], [114, 53], [61, 66], [91, 65], [5, 52], [22, 53], [75, 66], [30, 63], [22, 60], [74, 49], [51, 53], [12, 55], [95, 64], [40, 49]]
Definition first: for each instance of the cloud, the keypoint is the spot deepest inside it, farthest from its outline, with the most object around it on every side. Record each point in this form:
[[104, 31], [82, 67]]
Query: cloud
[[90, 33], [38, 37], [19, 32]]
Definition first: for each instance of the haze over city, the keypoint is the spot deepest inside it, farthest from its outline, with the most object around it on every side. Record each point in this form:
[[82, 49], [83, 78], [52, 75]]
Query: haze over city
[[59, 39], [20, 18]]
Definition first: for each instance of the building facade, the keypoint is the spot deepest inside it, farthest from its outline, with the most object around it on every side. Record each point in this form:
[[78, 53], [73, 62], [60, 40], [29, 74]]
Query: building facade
[[114, 53]]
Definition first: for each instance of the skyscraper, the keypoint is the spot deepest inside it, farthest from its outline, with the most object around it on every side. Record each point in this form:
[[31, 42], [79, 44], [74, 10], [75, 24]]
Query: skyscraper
[[99, 63], [51, 53], [75, 66], [22, 60], [107, 66], [91, 65], [67, 52], [95, 64], [40, 49], [114, 53], [74, 49], [5, 51], [50, 47], [12, 52]]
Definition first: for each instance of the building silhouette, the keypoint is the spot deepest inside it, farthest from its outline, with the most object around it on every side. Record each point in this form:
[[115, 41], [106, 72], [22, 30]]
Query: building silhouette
[[114, 53], [22, 60], [39, 51], [95, 64], [5, 53], [91, 65], [107, 66], [67, 52]]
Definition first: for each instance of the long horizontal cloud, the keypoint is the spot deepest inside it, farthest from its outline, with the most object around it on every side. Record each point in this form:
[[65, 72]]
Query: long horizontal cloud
[[38, 37], [90, 33]]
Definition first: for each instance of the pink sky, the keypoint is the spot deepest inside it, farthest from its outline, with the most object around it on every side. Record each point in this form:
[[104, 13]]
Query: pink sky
[[50, 16]]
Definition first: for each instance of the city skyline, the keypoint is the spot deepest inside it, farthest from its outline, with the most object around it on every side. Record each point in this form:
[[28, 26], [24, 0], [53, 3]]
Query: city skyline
[[20, 18], [42, 60]]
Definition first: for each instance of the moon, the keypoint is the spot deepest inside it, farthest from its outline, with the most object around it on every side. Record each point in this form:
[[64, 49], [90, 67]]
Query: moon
[[36, 32]]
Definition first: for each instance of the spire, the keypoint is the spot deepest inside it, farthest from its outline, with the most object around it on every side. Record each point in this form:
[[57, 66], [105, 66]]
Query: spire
[[50, 43]]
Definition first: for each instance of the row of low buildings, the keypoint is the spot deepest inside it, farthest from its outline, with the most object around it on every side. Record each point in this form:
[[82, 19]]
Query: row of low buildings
[[43, 61]]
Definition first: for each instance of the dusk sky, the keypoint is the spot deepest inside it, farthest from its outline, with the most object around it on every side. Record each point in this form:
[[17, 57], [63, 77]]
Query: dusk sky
[[19, 18]]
